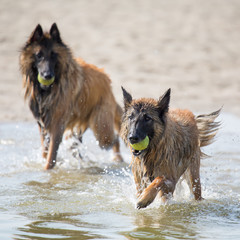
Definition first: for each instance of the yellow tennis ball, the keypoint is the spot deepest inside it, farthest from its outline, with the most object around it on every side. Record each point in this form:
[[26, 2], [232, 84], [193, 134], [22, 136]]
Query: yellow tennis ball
[[45, 82], [141, 145]]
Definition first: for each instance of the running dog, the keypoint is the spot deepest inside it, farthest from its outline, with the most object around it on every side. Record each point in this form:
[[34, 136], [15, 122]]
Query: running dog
[[66, 93], [165, 144]]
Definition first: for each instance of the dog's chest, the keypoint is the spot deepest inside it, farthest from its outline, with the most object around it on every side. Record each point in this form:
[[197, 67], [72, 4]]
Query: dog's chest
[[41, 110]]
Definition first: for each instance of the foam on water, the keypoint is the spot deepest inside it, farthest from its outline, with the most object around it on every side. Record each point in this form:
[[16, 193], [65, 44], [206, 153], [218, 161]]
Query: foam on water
[[95, 197]]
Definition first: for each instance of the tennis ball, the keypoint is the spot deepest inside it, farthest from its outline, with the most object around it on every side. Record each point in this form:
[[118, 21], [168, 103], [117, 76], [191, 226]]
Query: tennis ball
[[141, 145], [44, 81]]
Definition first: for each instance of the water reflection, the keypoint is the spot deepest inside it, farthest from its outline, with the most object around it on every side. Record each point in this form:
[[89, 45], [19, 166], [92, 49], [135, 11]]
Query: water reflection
[[206, 220], [58, 226], [174, 221]]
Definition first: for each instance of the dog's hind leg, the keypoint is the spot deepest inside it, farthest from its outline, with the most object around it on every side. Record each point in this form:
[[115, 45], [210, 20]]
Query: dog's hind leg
[[118, 118], [77, 134], [159, 184], [194, 175], [117, 125], [116, 150], [103, 128]]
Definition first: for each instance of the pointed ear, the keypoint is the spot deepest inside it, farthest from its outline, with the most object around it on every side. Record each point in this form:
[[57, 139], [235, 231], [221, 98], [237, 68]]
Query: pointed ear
[[127, 98], [163, 103], [36, 35], [55, 34]]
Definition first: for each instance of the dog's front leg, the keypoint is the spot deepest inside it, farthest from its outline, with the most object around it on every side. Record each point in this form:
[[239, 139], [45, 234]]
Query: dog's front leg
[[44, 140], [149, 193], [55, 140]]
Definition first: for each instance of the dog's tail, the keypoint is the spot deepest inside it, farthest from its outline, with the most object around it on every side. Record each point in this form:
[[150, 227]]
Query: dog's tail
[[207, 127], [118, 118]]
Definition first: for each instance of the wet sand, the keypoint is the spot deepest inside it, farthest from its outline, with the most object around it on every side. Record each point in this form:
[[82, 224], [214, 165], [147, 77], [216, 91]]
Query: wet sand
[[145, 46]]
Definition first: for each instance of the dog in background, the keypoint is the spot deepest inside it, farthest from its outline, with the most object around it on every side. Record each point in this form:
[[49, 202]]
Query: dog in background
[[66, 93], [165, 145]]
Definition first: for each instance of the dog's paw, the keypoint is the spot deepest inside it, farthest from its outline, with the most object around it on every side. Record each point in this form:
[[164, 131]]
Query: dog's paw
[[143, 203], [145, 199], [147, 196], [200, 199]]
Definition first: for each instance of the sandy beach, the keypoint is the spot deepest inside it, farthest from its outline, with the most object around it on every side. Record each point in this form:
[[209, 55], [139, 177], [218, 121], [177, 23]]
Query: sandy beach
[[192, 47]]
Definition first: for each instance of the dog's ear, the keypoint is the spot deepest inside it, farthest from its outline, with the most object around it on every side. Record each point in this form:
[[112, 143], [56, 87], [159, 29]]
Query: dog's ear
[[163, 103], [127, 98], [55, 34], [36, 35]]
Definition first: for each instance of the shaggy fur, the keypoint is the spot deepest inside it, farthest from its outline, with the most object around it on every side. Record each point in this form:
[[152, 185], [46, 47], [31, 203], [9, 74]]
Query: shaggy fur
[[80, 96], [174, 148]]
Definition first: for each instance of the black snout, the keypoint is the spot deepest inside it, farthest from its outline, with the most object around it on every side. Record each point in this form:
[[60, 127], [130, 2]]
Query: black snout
[[137, 133], [47, 75], [133, 139], [136, 137]]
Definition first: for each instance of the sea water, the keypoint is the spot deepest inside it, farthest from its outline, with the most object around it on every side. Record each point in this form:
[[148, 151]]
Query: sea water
[[95, 198]]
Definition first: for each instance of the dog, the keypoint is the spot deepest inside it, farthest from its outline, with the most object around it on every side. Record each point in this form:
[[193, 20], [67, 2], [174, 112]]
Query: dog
[[65, 93], [174, 149]]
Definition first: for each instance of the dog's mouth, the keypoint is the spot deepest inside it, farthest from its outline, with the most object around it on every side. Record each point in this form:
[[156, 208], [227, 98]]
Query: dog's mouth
[[139, 147], [45, 83], [44, 87], [137, 152]]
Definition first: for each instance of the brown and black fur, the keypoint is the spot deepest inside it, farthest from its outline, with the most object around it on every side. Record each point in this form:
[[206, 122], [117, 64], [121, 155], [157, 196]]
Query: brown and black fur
[[80, 96], [176, 137]]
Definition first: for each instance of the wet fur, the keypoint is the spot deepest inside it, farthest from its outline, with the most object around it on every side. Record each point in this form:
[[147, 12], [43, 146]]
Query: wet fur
[[80, 97], [176, 137]]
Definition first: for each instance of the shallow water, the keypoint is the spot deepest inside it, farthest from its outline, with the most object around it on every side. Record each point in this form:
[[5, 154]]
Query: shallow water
[[95, 198]]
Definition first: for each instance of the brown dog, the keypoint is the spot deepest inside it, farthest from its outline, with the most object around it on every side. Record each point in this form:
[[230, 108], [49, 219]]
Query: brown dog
[[64, 93], [175, 138]]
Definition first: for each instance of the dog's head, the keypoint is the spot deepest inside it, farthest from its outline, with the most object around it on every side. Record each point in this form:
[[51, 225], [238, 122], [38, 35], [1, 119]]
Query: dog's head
[[39, 57], [144, 117]]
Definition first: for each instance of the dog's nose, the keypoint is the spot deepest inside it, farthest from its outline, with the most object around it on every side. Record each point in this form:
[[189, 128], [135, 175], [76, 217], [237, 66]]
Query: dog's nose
[[47, 75], [133, 139]]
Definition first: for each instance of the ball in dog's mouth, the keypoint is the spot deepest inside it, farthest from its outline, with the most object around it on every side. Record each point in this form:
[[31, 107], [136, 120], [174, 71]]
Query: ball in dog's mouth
[[137, 148], [45, 82]]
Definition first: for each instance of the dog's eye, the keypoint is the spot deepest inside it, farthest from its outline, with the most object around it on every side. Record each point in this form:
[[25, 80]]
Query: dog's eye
[[53, 54], [147, 118], [39, 55]]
